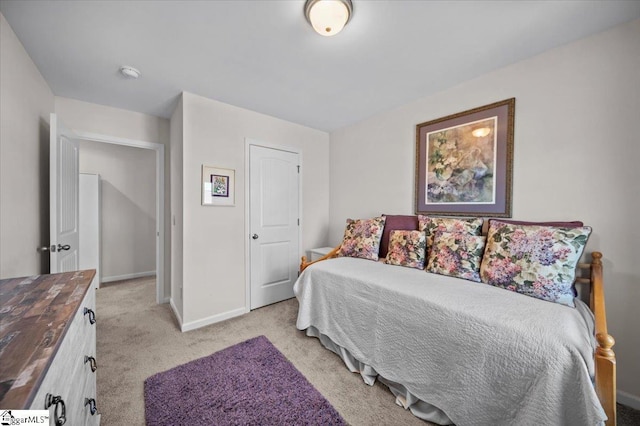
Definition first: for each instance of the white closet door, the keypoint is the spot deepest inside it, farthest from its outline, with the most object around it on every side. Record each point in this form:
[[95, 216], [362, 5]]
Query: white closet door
[[274, 224]]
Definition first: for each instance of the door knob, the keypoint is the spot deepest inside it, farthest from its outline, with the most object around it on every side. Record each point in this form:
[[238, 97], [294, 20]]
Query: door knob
[[53, 248], [255, 236]]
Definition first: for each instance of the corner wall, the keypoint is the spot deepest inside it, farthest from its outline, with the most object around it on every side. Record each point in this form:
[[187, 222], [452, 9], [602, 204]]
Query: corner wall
[[214, 237], [576, 156], [175, 218], [25, 104]]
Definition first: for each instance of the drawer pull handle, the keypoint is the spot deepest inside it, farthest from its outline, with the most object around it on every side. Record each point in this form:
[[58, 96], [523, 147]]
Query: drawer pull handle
[[92, 405], [92, 315], [92, 361], [50, 400]]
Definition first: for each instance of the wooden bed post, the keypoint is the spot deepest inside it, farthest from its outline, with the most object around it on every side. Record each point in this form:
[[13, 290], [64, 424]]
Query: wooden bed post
[[303, 264], [605, 358]]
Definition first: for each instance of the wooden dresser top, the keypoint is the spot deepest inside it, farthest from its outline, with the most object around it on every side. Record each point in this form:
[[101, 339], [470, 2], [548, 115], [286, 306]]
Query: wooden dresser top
[[35, 313]]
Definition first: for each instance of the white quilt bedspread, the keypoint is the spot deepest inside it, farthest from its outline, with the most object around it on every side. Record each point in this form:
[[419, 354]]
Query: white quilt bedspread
[[483, 355]]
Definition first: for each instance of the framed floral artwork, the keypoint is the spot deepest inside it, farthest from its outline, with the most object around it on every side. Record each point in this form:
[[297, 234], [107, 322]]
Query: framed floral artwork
[[464, 162], [218, 186]]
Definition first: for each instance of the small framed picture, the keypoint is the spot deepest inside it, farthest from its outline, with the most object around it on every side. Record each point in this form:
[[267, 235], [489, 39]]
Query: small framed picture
[[218, 186]]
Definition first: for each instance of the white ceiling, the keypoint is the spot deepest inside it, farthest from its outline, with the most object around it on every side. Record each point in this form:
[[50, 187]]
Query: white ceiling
[[264, 56]]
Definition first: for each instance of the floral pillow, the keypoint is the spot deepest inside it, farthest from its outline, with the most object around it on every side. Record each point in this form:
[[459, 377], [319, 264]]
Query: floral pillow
[[362, 238], [393, 222], [538, 261], [431, 225], [407, 248], [456, 254]]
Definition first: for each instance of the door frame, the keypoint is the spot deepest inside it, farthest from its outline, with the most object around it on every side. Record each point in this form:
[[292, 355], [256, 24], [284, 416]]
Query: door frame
[[247, 207], [161, 297]]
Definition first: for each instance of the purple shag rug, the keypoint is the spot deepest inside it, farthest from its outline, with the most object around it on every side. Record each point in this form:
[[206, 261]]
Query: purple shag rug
[[250, 383]]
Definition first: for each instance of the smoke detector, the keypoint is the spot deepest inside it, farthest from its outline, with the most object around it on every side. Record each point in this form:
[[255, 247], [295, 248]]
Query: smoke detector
[[129, 72]]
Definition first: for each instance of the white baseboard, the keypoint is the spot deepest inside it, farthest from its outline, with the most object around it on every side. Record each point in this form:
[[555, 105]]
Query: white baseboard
[[629, 400], [176, 312], [213, 319], [127, 276]]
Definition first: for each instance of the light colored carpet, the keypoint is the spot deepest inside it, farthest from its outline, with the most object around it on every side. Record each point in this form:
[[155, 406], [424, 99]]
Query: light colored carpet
[[138, 338]]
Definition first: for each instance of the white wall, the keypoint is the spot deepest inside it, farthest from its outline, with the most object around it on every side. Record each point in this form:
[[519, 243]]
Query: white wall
[[25, 104], [120, 123], [576, 157], [214, 237], [177, 132], [128, 207], [105, 120]]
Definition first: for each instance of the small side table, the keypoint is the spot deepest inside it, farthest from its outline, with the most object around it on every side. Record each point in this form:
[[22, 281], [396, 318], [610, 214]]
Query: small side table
[[317, 253]]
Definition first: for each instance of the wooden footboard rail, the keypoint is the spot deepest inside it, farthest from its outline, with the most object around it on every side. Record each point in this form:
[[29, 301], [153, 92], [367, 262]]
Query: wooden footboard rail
[[303, 261], [605, 358]]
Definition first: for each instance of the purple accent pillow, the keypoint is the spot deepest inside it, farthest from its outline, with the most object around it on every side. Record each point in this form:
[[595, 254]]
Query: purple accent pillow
[[395, 223]]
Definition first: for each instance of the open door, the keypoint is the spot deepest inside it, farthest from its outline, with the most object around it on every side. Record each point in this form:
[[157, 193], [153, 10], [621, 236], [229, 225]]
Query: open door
[[63, 198]]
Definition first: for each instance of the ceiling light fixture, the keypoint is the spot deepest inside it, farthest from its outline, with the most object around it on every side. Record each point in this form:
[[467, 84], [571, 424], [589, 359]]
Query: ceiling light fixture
[[328, 17], [129, 72]]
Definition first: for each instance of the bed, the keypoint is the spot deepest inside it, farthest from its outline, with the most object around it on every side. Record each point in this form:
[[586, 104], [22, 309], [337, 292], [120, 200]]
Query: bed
[[455, 351]]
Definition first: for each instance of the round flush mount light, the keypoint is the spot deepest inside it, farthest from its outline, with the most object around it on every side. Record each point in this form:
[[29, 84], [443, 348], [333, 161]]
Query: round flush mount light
[[328, 17], [129, 72]]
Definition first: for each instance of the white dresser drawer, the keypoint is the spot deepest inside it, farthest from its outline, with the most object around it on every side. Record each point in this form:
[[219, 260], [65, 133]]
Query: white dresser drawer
[[69, 376], [89, 391]]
